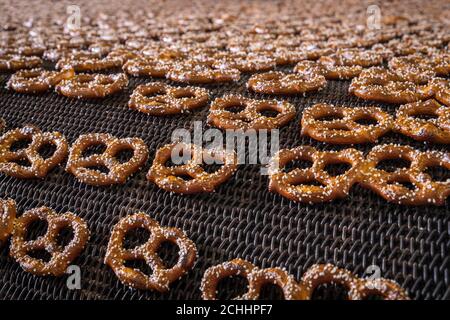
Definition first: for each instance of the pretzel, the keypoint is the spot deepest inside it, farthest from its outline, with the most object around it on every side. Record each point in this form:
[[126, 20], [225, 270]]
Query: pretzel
[[276, 82], [91, 86], [147, 67], [358, 288], [353, 57], [251, 117], [7, 218], [61, 257], [162, 276], [168, 99], [55, 55], [420, 66], [122, 54], [329, 70], [170, 178], [245, 62], [13, 62], [383, 85], [442, 89], [89, 64], [256, 278], [80, 165], [345, 129], [296, 184], [434, 130], [197, 73], [37, 80], [387, 184], [38, 166]]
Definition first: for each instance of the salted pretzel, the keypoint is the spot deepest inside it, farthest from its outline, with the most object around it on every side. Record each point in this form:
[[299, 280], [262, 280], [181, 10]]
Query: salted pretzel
[[345, 129], [382, 85], [37, 80], [197, 73], [388, 184], [13, 62], [165, 99], [123, 55], [329, 70], [296, 185], [83, 167], [442, 89], [61, 256], [171, 178], [91, 86], [358, 288], [147, 67], [250, 62], [251, 116], [353, 57], [162, 276], [7, 218], [420, 66], [54, 55], [89, 64], [434, 130], [276, 82], [255, 276], [38, 166]]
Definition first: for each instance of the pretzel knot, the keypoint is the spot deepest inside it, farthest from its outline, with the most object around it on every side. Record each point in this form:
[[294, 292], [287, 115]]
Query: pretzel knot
[[158, 98], [256, 278], [61, 257], [13, 62], [199, 73], [389, 184], [147, 67], [37, 80], [297, 185], [358, 288], [38, 165], [161, 276], [251, 117], [328, 69], [85, 167], [382, 85], [435, 129], [421, 67], [190, 177], [92, 85], [250, 62], [7, 218], [344, 128], [280, 83], [89, 64]]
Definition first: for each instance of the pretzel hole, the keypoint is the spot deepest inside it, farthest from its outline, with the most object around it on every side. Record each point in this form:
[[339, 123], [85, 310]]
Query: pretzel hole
[[124, 155], [20, 144], [298, 164], [235, 108], [169, 253], [35, 229], [211, 168], [337, 169], [390, 165], [65, 236], [330, 291], [232, 287], [438, 173], [139, 265], [46, 150], [271, 291], [135, 237], [40, 254], [99, 168], [96, 148], [367, 121], [184, 95], [184, 177], [183, 157], [269, 113], [23, 162]]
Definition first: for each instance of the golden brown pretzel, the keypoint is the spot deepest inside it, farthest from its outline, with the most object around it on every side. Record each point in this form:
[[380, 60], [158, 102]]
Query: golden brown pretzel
[[147, 67], [276, 82], [7, 218], [61, 257], [380, 84], [92, 86], [170, 178], [250, 62], [327, 69], [296, 184], [39, 166], [345, 129], [89, 64], [165, 99], [434, 130], [80, 165], [197, 73], [388, 184], [358, 288], [256, 278], [420, 66], [162, 277], [250, 117], [37, 80], [12, 62]]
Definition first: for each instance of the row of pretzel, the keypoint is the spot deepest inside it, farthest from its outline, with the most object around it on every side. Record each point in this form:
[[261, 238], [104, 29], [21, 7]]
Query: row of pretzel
[[189, 176], [117, 255]]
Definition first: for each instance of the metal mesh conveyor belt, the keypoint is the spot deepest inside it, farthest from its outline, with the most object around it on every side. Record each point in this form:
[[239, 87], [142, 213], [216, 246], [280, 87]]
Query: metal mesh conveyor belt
[[241, 219]]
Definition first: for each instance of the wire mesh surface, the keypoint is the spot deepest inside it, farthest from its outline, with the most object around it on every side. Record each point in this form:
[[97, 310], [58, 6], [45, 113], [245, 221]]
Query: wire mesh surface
[[241, 219]]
